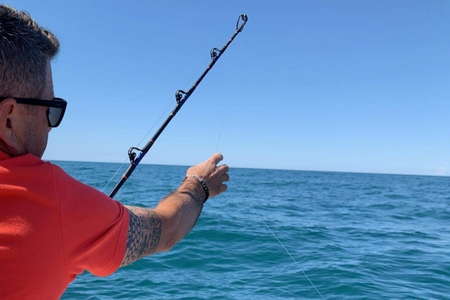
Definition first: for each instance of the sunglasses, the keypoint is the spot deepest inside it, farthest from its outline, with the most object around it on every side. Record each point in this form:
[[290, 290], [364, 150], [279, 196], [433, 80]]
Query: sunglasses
[[55, 111]]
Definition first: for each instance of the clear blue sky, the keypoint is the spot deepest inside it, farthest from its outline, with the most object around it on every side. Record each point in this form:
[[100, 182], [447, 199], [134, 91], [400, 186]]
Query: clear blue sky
[[311, 85]]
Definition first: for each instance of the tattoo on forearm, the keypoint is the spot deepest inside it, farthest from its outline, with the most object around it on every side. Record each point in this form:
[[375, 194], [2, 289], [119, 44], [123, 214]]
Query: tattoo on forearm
[[144, 233]]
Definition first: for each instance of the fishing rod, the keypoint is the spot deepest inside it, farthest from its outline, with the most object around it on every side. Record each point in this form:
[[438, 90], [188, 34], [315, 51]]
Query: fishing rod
[[136, 154]]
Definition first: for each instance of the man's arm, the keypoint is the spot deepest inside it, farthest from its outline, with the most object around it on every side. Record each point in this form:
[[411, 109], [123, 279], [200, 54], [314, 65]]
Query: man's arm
[[159, 229], [144, 234]]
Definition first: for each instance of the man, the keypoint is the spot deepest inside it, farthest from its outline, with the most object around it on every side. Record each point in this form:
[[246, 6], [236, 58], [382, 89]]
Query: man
[[53, 227]]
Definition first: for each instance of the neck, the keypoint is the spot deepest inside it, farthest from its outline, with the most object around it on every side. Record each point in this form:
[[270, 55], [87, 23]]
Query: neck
[[5, 148]]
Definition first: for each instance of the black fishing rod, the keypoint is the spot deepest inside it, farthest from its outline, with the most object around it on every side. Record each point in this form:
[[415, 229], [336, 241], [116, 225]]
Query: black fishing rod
[[135, 154]]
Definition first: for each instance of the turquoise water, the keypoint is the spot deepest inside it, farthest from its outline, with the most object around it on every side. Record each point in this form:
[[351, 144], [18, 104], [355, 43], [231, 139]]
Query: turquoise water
[[289, 235]]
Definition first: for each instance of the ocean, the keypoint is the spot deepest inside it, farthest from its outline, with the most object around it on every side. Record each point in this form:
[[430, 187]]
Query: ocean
[[278, 234]]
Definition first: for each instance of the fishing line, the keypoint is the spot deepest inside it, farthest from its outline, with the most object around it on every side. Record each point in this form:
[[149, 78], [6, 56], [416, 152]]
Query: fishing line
[[293, 258], [123, 165], [268, 228], [220, 122], [162, 113]]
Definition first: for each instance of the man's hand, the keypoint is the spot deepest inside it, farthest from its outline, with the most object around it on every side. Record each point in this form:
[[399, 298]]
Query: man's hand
[[214, 176]]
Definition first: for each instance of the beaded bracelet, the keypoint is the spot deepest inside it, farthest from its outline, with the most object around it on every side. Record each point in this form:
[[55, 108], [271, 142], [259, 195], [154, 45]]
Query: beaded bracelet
[[202, 184]]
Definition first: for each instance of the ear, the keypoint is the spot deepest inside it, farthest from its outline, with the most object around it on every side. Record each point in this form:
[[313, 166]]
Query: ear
[[8, 111]]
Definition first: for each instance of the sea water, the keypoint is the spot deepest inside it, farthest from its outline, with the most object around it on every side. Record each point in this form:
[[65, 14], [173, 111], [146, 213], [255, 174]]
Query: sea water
[[278, 234]]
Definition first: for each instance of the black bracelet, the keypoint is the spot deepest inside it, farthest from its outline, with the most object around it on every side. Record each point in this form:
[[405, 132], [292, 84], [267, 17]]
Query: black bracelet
[[202, 184]]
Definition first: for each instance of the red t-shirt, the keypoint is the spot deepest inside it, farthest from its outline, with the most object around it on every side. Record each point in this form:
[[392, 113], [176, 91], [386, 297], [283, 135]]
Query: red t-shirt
[[52, 228]]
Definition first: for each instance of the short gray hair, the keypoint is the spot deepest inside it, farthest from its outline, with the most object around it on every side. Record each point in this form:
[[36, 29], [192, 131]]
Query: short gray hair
[[25, 50]]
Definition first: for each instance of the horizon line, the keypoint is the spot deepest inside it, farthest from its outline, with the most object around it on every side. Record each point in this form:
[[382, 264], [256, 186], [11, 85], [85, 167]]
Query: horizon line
[[263, 168]]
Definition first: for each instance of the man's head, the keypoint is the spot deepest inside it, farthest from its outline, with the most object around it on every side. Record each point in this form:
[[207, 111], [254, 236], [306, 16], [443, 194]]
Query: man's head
[[25, 53]]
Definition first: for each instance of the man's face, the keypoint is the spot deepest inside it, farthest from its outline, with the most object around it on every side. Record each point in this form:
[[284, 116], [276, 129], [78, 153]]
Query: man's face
[[36, 133], [28, 132]]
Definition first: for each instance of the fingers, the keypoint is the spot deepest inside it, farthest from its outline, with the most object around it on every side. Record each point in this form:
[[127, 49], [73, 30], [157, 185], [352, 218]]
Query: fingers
[[222, 169], [223, 188], [216, 158], [221, 172], [225, 177], [217, 179]]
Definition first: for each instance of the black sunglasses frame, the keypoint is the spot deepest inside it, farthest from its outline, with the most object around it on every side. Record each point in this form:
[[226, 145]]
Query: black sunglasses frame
[[56, 102]]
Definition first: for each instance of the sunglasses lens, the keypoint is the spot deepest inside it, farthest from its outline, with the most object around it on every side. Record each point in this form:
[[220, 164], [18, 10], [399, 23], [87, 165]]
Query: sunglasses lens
[[55, 115]]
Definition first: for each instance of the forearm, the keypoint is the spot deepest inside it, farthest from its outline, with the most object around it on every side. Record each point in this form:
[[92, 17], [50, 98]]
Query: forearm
[[179, 211]]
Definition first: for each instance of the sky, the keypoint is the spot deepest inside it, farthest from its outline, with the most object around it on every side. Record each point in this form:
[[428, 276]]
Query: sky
[[350, 85]]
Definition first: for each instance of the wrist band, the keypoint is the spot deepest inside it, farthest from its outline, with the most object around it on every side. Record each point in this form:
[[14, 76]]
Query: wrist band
[[202, 184]]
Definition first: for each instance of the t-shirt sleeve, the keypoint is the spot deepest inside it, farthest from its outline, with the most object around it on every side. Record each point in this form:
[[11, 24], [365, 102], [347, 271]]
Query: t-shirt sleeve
[[94, 227]]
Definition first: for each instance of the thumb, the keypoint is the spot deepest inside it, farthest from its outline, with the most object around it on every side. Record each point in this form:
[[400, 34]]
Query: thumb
[[216, 158]]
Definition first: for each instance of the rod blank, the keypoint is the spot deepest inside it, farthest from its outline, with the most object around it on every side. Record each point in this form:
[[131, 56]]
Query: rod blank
[[135, 154]]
